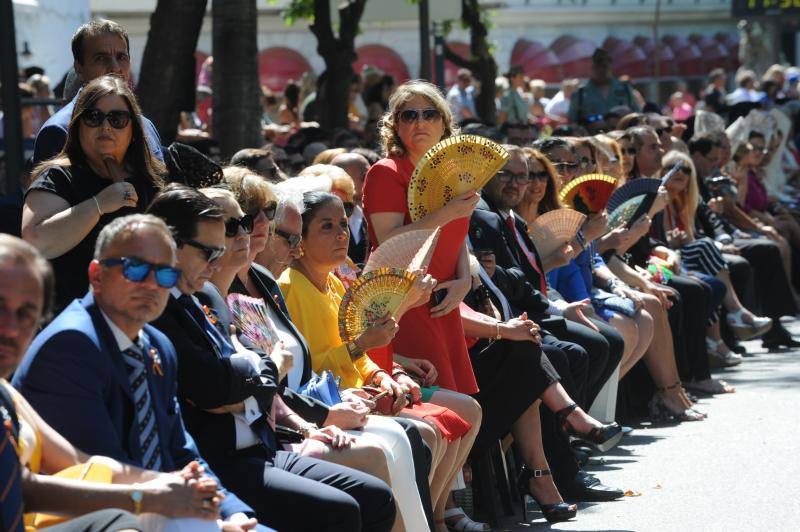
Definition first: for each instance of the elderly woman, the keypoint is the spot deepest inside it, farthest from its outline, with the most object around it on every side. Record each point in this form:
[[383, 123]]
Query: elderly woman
[[105, 170], [418, 118]]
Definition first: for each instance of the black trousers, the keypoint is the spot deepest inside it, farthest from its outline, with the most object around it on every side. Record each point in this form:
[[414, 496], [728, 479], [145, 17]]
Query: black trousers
[[293, 492], [690, 344], [773, 294], [422, 456], [572, 364], [511, 376], [109, 520]]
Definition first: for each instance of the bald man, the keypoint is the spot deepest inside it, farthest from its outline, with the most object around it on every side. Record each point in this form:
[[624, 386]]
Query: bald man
[[356, 166]]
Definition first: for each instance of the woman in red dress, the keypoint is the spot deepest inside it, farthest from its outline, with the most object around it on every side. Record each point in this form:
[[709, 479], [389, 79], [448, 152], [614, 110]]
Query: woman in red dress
[[431, 336]]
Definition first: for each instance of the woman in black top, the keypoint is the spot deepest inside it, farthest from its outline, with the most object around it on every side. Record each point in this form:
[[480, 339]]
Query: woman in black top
[[105, 170]]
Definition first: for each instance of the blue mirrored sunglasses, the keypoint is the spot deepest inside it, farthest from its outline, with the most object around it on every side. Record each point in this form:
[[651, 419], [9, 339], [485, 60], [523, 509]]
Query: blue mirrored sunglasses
[[136, 271]]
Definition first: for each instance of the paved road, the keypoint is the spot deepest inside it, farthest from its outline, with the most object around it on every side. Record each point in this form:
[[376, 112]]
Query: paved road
[[737, 470]]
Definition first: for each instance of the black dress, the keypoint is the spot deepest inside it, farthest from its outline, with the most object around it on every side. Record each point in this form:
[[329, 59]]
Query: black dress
[[76, 184]]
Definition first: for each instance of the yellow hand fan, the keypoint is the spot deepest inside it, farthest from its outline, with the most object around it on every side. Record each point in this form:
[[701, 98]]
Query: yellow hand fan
[[588, 194], [370, 298], [454, 166], [410, 251], [553, 229]]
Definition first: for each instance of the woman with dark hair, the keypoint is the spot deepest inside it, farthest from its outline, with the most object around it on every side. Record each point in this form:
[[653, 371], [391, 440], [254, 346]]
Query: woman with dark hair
[[289, 112], [105, 170]]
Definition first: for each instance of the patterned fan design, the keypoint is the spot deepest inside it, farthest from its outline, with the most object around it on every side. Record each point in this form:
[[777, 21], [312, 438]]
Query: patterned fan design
[[553, 229], [251, 317], [631, 189], [370, 298], [589, 193], [454, 166], [622, 214], [410, 251]]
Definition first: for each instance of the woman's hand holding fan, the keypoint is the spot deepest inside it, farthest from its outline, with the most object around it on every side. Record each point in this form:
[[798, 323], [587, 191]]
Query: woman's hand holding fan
[[595, 226], [419, 294], [378, 334], [283, 358]]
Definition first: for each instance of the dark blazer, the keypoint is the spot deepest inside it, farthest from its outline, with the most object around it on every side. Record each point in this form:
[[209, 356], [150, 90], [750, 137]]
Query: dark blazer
[[208, 379], [307, 407], [74, 375], [358, 252], [514, 276]]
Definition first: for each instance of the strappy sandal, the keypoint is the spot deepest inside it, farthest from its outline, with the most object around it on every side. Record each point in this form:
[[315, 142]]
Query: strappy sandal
[[661, 411], [602, 437], [710, 387], [464, 524]]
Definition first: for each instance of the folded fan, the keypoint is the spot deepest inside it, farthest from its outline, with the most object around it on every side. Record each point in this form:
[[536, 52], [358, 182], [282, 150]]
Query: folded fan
[[555, 228], [588, 194], [250, 316], [452, 167], [410, 251], [624, 214], [633, 188], [371, 297]]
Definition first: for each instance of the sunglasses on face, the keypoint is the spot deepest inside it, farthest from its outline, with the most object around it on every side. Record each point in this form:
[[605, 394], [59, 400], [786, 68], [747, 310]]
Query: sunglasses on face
[[409, 116], [245, 222], [211, 253], [586, 163], [686, 170], [508, 177], [660, 131], [291, 239], [269, 211], [628, 151], [117, 119], [567, 165], [137, 271]]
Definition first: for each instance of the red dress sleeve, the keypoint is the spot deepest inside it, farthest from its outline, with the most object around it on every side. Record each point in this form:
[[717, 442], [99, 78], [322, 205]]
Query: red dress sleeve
[[386, 190]]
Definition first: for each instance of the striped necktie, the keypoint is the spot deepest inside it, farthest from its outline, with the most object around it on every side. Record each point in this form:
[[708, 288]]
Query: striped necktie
[[528, 254], [10, 484], [145, 413]]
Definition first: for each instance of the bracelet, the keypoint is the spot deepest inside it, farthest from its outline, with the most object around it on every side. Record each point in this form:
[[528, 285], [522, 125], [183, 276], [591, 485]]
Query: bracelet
[[398, 373], [136, 496], [497, 335], [354, 351], [97, 203], [306, 429]]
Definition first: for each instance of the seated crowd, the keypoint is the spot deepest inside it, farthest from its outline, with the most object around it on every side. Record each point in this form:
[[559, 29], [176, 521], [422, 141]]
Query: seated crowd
[[125, 358]]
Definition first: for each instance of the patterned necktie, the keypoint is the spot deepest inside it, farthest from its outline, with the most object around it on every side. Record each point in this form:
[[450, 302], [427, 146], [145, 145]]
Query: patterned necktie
[[10, 484], [528, 254], [145, 414]]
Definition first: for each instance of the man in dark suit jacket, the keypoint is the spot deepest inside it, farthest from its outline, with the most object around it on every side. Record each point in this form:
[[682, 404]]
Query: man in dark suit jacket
[[356, 166], [103, 378], [99, 47], [232, 424]]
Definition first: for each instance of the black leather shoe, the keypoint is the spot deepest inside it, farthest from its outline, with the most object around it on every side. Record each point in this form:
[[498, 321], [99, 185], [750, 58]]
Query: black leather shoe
[[581, 456], [588, 488]]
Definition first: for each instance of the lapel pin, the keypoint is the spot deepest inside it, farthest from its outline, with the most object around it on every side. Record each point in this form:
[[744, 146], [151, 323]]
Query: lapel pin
[[156, 362]]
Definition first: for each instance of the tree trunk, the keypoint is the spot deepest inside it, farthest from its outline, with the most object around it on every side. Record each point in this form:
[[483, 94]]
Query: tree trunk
[[166, 80], [236, 117], [339, 54], [481, 61]]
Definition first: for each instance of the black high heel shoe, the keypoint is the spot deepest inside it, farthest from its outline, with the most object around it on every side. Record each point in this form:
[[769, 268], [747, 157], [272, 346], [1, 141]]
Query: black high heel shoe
[[554, 513], [603, 437]]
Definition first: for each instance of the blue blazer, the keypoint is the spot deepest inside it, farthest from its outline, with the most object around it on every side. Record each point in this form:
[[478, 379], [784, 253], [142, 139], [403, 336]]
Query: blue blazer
[[74, 376], [51, 138]]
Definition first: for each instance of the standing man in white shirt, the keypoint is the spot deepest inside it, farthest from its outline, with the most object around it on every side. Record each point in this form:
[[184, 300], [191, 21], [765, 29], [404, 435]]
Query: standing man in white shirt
[[461, 97]]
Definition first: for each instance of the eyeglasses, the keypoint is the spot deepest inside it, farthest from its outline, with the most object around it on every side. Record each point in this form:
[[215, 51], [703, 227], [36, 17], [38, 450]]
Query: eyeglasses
[[269, 211], [292, 239], [409, 116], [628, 151], [349, 207], [245, 222], [137, 271], [586, 163], [211, 253], [544, 175], [507, 177], [117, 119]]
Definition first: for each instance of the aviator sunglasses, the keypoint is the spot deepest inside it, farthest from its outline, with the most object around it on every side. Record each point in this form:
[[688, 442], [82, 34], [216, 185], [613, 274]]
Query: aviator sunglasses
[[117, 119], [137, 271]]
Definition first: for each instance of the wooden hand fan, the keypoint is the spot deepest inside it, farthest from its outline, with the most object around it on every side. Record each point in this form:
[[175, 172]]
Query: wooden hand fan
[[410, 251], [555, 228], [251, 317], [625, 212], [454, 166], [631, 189], [370, 298], [589, 193]]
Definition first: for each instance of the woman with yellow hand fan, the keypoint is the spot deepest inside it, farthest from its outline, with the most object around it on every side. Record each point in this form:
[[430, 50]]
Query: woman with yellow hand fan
[[417, 119]]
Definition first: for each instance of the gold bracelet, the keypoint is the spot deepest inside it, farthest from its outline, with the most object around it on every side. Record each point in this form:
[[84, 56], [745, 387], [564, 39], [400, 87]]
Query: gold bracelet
[[497, 335]]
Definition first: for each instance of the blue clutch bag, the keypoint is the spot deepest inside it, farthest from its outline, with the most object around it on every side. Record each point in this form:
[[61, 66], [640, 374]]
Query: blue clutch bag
[[324, 388]]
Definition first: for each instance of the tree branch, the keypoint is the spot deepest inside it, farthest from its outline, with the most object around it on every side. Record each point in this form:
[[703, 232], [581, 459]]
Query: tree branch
[[322, 27], [457, 60]]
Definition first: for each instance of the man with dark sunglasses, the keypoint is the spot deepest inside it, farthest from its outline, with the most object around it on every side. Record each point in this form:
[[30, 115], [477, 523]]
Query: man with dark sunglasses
[[106, 380]]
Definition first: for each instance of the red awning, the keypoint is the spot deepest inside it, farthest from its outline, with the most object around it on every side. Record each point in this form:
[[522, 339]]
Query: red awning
[[575, 55], [537, 61], [629, 59], [715, 54], [690, 60], [278, 65], [666, 58], [450, 69], [378, 55]]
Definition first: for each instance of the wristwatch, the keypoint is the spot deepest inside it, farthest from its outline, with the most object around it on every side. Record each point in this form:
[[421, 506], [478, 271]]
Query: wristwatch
[[136, 496]]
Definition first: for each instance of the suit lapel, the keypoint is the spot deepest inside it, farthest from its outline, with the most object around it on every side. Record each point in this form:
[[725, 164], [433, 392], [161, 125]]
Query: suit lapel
[[195, 329], [108, 344]]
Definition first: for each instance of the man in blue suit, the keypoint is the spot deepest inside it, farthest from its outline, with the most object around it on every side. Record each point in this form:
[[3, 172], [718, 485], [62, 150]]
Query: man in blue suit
[[103, 378], [99, 47]]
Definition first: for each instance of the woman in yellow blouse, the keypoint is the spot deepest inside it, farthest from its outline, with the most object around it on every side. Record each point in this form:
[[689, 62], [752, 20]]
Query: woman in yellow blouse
[[313, 295]]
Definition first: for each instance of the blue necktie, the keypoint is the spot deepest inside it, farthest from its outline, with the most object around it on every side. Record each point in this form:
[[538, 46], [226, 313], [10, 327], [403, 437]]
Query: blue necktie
[[10, 484], [145, 414]]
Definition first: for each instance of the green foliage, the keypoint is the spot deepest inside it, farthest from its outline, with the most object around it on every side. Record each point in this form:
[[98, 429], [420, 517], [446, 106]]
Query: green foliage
[[296, 10]]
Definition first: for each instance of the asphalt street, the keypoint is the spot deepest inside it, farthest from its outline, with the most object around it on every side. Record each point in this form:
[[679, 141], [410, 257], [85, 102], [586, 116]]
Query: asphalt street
[[737, 470]]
